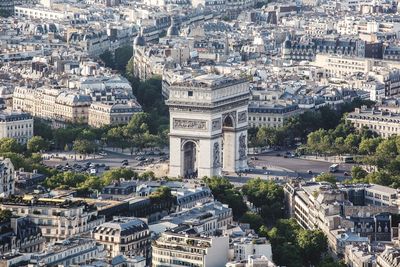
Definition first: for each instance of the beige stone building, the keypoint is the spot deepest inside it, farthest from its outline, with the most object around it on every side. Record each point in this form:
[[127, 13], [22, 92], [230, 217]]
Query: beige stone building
[[383, 123], [57, 219], [17, 125], [340, 66], [101, 114], [176, 249], [7, 177], [128, 236], [52, 104], [272, 115]]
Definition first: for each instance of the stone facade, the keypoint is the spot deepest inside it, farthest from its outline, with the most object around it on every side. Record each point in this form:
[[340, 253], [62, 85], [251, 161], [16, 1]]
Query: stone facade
[[208, 126]]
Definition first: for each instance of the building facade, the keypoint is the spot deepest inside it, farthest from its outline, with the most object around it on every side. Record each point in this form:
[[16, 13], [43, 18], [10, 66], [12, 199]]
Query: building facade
[[175, 249], [7, 178], [17, 125], [128, 236], [57, 219]]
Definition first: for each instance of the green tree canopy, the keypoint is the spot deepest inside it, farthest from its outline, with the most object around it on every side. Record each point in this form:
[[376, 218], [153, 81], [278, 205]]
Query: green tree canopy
[[326, 177], [116, 174], [10, 145], [37, 144]]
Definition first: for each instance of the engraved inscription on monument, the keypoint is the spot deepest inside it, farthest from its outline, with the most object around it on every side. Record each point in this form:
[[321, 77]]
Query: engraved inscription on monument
[[190, 124]]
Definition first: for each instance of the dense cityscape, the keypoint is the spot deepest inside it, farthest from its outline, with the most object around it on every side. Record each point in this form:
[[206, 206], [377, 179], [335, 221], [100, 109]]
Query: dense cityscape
[[200, 133]]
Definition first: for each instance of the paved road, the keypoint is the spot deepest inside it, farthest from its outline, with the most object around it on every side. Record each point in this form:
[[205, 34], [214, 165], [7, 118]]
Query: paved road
[[113, 160], [289, 168]]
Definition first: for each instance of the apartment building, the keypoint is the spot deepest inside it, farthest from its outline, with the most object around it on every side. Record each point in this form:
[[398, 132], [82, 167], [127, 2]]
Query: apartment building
[[57, 219], [61, 106], [189, 198], [67, 252], [384, 123], [52, 104], [16, 124], [345, 214], [128, 236], [19, 233], [7, 178], [342, 66], [271, 115], [101, 114], [179, 249], [205, 218], [245, 247]]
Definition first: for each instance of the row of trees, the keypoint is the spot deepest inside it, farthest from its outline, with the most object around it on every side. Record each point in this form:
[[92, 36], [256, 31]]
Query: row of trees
[[86, 184], [295, 246], [136, 135], [369, 149], [297, 128]]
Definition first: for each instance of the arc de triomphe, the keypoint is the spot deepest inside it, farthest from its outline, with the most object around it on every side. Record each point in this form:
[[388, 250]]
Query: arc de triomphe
[[208, 125]]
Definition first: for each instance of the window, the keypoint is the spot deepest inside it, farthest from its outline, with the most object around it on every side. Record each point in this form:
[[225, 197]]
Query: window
[[190, 93]]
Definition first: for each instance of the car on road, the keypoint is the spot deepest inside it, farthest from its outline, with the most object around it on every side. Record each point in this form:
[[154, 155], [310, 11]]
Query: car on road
[[125, 163], [309, 172], [278, 155], [106, 168], [93, 171], [254, 158], [102, 153], [125, 160], [346, 174]]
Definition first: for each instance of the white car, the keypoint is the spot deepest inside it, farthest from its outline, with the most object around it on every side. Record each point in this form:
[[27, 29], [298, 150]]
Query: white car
[[93, 171]]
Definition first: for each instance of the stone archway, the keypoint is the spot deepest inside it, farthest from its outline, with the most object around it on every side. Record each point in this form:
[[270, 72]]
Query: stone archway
[[228, 144], [190, 159]]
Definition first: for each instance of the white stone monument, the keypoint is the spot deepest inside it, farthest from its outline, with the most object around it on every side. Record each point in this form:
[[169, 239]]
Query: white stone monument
[[208, 125]]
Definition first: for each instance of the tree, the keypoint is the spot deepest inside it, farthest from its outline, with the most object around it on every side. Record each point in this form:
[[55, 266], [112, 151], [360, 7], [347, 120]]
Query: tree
[[43, 129], [84, 146], [330, 262], [261, 192], [352, 142], [224, 192], [65, 180], [9, 145], [368, 146], [312, 243], [253, 219], [116, 174], [122, 57], [5, 215], [162, 194], [37, 144], [326, 177], [129, 69], [358, 173], [117, 137], [108, 58]]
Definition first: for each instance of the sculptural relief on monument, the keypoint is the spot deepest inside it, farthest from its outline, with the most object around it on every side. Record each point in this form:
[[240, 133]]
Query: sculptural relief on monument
[[242, 147], [242, 116], [185, 124], [216, 124], [216, 155]]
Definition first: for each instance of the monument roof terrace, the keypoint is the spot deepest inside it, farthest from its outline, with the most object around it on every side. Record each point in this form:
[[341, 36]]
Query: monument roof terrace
[[212, 81]]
